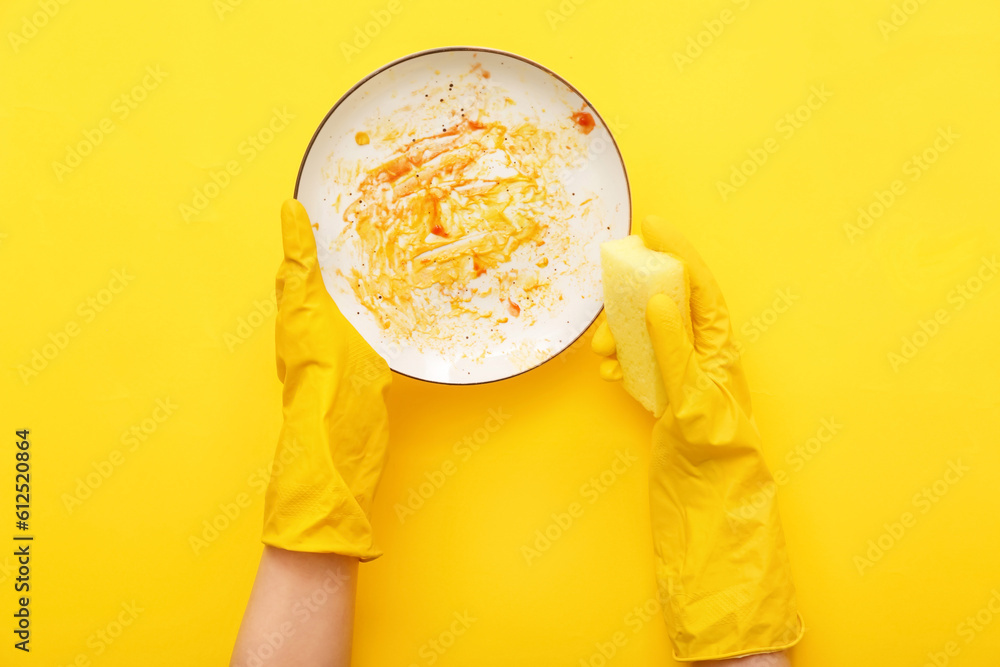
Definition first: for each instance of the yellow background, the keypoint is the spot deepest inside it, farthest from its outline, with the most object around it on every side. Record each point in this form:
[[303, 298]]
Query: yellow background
[[169, 333]]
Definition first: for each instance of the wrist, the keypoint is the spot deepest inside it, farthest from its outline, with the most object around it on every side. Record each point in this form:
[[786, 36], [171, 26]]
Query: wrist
[[779, 659]]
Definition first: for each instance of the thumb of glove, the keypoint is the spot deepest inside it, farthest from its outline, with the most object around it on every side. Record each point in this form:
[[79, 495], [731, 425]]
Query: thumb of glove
[[297, 239], [298, 281], [298, 276]]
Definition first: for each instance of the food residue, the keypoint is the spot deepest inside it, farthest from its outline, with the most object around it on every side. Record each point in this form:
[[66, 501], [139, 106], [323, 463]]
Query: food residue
[[460, 218], [584, 120], [482, 71], [444, 214]]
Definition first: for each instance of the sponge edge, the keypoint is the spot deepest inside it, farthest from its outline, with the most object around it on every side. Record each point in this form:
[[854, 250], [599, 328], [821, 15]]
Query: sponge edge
[[632, 274]]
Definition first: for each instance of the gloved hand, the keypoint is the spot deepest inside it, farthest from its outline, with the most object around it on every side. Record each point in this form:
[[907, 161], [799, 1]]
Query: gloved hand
[[333, 439], [721, 566]]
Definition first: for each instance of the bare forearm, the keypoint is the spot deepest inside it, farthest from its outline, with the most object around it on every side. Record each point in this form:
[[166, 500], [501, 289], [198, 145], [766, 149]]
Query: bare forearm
[[300, 612], [779, 659]]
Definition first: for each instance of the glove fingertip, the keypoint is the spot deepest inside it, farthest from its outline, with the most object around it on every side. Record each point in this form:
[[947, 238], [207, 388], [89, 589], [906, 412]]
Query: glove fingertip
[[647, 223], [611, 370], [662, 315], [296, 233], [603, 343]]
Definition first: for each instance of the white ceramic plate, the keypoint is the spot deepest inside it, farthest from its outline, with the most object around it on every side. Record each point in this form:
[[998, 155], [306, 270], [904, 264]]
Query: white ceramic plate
[[474, 256]]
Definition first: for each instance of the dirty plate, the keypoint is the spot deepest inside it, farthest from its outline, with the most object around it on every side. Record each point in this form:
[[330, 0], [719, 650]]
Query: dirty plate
[[460, 197]]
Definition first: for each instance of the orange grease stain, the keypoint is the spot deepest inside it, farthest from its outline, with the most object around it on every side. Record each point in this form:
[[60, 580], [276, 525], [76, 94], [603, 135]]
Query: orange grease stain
[[436, 183], [584, 120]]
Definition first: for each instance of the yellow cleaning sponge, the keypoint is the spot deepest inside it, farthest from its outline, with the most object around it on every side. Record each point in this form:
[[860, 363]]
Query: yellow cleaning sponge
[[632, 274]]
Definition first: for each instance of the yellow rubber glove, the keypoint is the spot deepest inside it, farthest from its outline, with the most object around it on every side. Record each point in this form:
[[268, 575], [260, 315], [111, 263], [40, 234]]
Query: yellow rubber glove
[[721, 566], [333, 439]]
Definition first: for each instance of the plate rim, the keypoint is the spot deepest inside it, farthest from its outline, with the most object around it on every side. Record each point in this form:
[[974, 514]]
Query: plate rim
[[501, 52]]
